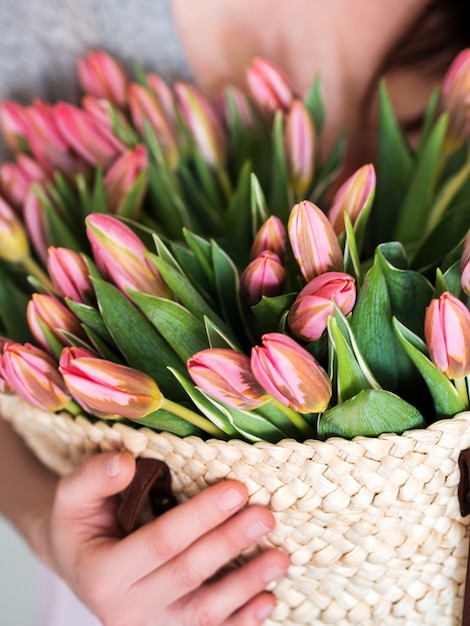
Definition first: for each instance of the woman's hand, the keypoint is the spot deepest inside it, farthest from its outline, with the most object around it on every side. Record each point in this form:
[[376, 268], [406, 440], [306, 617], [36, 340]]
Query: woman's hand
[[160, 574]]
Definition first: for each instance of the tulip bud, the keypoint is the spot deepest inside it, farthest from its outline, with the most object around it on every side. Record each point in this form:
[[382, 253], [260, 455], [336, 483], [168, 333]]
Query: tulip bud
[[271, 236], [299, 141], [101, 76], [465, 266], [46, 142], [314, 242], [109, 388], [45, 311], [240, 101], [16, 178], [264, 276], [290, 374], [354, 195], [14, 246], [120, 256], [94, 143], [269, 86], [226, 375], [36, 224], [308, 316], [144, 106], [447, 334], [164, 96], [203, 124], [32, 374], [122, 176], [455, 99], [69, 274], [106, 115], [13, 121]]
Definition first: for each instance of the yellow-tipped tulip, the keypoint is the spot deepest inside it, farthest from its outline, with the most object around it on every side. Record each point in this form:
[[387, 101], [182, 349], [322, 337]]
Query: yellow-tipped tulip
[[353, 197], [299, 140], [14, 244], [313, 240]]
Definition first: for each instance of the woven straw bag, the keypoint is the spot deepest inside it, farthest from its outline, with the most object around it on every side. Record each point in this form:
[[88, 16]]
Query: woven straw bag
[[372, 526]]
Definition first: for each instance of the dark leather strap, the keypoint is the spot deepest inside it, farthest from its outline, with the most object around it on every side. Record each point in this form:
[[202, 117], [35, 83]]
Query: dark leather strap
[[148, 496], [464, 500]]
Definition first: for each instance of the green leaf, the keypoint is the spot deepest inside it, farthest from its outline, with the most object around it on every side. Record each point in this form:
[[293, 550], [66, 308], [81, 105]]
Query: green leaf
[[370, 413], [416, 206], [238, 215], [454, 224], [59, 231], [205, 406], [216, 337], [329, 170], [447, 401], [388, 291], [349, 377], [315, 104], [395, 169], [259, 208], [131, 203], [183, 332], [140, 343], [91, 317], [13, 303], [269, 312], [164, 421]]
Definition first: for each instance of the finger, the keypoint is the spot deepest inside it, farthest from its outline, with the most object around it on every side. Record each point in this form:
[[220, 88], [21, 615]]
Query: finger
[[100, 477], [149, 547], [229, 598], [255, 612], [202, 559]]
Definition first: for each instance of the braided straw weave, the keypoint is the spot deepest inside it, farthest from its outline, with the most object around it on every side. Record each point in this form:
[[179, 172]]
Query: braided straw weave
[[372, 525]]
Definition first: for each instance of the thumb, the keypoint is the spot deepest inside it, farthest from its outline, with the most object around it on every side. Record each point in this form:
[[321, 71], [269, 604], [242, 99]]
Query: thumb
[[100, 477]]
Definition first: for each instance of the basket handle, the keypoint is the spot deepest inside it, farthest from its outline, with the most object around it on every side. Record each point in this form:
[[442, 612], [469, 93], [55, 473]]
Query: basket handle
[[148, 495], [464, 500]]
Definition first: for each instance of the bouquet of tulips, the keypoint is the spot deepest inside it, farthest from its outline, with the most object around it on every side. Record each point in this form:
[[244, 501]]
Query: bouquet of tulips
[[195, 266]]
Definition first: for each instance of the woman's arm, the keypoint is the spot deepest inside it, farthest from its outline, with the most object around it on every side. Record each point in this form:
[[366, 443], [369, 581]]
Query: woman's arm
[[162, 573]]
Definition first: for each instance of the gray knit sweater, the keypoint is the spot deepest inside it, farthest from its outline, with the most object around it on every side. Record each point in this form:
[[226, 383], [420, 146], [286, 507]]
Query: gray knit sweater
[[41, 39]]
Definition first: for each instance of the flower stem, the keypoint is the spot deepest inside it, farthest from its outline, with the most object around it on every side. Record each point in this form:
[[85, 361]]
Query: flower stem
[[297, 419], [193, 418], [461, 386], [448, 193], [32, 268]]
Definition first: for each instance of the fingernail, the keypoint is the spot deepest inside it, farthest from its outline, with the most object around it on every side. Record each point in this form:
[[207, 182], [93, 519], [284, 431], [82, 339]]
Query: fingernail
[[113, 466], [256, 529], [272, 573], [264, 612], [230, 499]]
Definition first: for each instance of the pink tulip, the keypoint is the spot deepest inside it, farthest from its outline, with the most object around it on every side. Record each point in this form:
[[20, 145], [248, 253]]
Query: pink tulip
[[290, 374], [465, 265], [14, 246], [16, 178], [101, 76], [102, 386], [240, 102], [46, 142], [226, 375], [120, 256], [32, 374], [203, 124], [447, 334], [264, 276], [47, 312], [95, 144], [105, 115], [271, 236], [299, 140], [164, 94], [353, 197], [14, 124], [269, 86], [69, 274], [4, 386], [144, 106], [455, 96], [36, 224], [122, 176], [313, 241], [308, 316]]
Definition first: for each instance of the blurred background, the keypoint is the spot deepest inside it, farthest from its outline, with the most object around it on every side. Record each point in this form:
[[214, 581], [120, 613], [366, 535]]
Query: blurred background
[[18, 578]]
